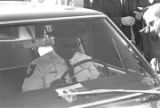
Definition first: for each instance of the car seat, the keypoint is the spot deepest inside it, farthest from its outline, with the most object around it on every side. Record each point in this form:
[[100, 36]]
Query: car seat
[[13, 65]]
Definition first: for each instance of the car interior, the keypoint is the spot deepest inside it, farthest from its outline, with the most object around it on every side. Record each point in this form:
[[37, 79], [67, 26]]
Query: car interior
[[14, 62], [29, 42]]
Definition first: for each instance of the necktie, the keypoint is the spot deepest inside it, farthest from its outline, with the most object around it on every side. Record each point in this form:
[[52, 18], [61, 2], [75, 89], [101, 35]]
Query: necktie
[[123, 2], [123, 7], [71, 73]]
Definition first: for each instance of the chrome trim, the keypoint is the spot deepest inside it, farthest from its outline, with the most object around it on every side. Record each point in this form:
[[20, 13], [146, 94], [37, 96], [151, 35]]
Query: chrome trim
[[50, 19]]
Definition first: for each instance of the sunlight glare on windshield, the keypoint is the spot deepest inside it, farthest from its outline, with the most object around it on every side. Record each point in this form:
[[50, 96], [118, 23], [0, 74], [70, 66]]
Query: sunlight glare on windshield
[[136, 106]]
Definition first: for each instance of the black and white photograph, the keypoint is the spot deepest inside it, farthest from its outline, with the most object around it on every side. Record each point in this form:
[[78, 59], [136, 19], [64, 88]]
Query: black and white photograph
[[80, 54]]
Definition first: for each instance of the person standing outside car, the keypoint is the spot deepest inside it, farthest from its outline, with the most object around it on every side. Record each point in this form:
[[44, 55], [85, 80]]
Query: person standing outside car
[[151, 34], [124, 14], [144, 5]]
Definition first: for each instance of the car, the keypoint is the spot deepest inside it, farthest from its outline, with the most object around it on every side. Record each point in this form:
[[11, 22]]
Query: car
[[127, 79]]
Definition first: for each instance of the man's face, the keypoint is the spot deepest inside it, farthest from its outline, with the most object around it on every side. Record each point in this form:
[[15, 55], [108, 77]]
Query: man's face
[[66, 48], [152, 19], [153, 28]]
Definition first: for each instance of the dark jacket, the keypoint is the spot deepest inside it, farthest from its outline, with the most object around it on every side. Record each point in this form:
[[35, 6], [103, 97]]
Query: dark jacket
[[114, 10], [151, 47]]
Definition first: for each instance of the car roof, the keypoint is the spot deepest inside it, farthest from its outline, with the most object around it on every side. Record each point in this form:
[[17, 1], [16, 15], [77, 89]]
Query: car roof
[[21, 12]]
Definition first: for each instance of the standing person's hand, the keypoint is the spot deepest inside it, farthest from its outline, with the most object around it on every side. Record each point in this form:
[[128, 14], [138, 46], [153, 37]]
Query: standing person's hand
[[128, 21]]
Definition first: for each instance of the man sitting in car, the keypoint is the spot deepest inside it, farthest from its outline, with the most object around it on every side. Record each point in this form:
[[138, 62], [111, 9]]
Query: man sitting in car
[[51, 66]]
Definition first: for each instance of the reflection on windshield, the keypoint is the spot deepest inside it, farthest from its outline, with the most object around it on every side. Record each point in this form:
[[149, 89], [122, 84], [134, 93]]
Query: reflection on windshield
[[97, 39], [8, 33]]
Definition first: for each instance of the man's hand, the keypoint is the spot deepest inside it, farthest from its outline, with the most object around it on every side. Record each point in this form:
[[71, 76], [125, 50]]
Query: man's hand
[[128, 21]]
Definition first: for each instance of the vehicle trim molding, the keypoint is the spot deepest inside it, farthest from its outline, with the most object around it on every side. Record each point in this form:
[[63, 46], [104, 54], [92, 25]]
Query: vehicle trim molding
[[50, 19]]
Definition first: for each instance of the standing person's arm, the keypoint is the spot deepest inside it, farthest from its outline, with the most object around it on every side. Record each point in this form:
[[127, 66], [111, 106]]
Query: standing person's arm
[[145, 3], [99, 5], [125, 21]]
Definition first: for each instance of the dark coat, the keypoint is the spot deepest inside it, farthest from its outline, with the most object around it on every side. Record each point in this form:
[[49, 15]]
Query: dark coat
[[156, 1], [151, 47], [114, 10]]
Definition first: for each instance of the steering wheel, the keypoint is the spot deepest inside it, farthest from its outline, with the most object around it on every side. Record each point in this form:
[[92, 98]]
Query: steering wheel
[[99, 63]]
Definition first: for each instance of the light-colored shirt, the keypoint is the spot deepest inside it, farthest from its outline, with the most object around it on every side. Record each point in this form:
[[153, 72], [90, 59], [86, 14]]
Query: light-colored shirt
[[51, 67]]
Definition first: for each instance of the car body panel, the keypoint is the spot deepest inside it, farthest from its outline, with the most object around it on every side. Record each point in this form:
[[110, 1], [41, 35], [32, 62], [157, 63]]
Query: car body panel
[[20, 12], [48, 97]]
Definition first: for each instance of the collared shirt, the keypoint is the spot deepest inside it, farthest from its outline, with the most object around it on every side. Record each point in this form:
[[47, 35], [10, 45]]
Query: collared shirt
[[51, 67]]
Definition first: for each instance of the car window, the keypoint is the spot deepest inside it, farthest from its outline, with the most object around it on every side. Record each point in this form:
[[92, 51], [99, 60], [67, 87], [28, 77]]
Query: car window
[[26, 32], [127, 56], [8, 32], [97, 39], [12, 50], [17, 32]]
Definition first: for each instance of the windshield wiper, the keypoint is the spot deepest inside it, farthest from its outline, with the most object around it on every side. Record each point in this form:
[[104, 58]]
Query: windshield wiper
[[104, 101], [70, 92], [100, 91]]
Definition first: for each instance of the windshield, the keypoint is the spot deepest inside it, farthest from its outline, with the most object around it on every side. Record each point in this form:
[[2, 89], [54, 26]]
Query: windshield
[[98, 39], [35, 56]]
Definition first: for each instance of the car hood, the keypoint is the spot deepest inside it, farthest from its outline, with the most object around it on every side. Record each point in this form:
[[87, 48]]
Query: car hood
[[49, 98]]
